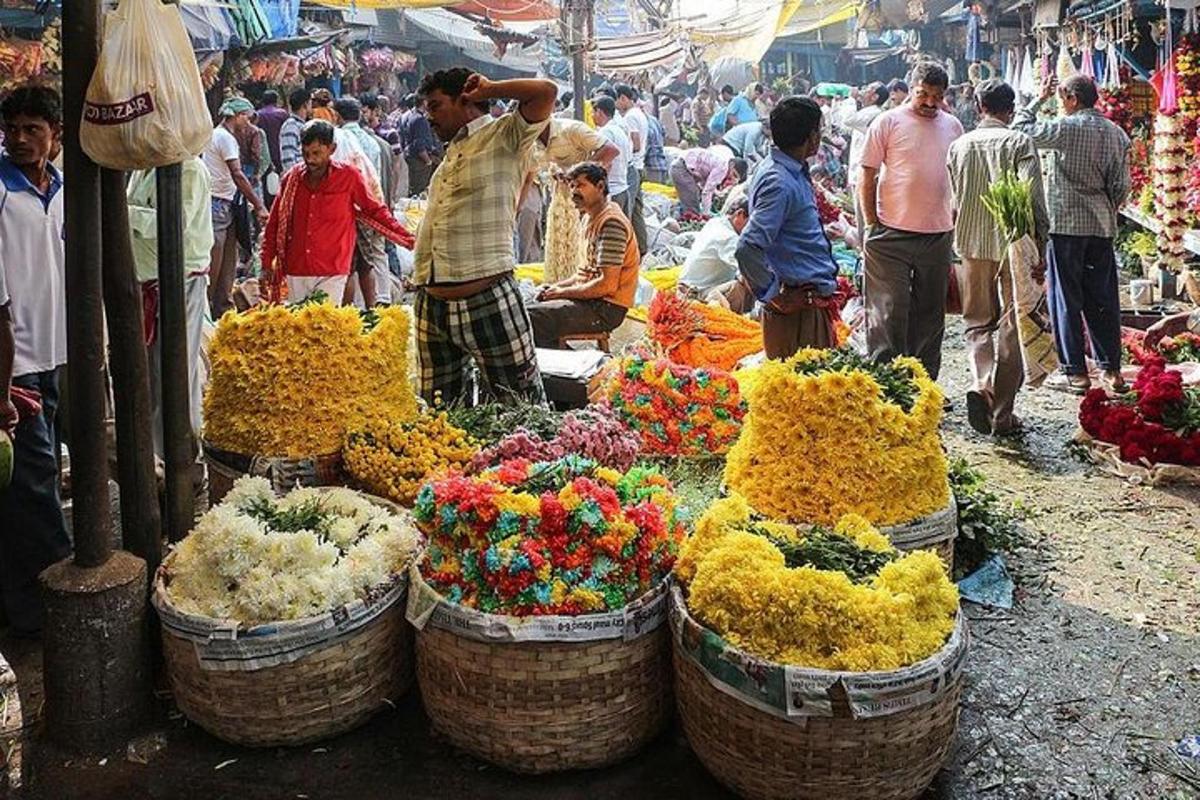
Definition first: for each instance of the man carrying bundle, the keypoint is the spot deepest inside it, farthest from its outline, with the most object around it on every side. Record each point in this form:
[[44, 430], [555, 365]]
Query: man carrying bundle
[[311, 232], [977, 160], [596, 298]]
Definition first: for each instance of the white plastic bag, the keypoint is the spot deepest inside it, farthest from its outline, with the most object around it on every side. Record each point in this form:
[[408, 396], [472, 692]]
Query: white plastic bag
[[145, 106]]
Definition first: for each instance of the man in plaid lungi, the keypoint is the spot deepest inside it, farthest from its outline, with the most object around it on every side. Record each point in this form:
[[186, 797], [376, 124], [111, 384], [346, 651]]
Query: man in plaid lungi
[[468, 308]]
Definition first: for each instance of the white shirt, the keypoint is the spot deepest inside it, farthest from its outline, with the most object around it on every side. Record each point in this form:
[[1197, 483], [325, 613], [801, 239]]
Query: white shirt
[[711, 261], [618, 171], [859, 123], [221, 149], [33, 269], [635, 122]]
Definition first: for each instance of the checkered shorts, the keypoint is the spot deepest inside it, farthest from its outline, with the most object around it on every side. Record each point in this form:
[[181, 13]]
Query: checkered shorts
[[490, 329]]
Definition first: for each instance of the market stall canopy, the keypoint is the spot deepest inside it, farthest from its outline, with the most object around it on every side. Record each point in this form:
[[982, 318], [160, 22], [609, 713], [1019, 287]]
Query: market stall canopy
[[496, 10], [462, 33], [744, 29], [643, 51], [812, 17]]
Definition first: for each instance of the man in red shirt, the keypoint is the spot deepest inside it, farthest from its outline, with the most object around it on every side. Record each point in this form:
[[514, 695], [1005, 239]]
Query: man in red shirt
[[311, 232]]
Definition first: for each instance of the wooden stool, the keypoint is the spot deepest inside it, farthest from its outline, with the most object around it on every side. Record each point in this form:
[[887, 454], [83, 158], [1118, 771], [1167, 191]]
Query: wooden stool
[[601, 340]]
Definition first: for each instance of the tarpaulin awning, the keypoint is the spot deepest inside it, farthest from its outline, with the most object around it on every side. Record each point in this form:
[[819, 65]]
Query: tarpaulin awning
[[460, 32], [496, 10], [809, 18], [638, 52], [282, 16], [745, 30]]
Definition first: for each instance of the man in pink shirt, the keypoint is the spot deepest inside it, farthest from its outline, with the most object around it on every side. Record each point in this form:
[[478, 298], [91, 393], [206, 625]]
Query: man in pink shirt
[[907, 206], [701, 172]]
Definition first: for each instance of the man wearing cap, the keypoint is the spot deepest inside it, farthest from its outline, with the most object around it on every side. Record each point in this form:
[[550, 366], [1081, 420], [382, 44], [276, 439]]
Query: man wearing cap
[[222, 157]]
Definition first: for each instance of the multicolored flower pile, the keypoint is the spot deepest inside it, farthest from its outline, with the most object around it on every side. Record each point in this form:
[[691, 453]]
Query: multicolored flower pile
[[1117, 104], [257, 558], [1173, 350], [594, 432], [560, 537], [838, 599], [1187, 73], [701, 335], [1171, 153], [1180, 349], [1158, 422], [394, 459], [290, 381], [677, 410], [829, 433]]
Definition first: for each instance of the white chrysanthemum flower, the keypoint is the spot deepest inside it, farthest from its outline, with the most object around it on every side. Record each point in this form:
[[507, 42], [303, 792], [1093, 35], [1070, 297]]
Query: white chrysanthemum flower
[[344, 532], [248, 490]]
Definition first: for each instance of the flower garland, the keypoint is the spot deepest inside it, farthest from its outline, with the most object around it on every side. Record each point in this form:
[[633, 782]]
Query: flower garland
[[594, 432], [701, 335], [829, 434], [677, 410], [561, 537], [841, 599], [290, 381], [394, 459], [1158, 422], [1170, 187], [256, 558]]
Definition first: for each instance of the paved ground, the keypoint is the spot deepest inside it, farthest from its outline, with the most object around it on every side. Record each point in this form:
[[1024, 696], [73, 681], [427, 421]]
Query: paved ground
[[1079, 692]]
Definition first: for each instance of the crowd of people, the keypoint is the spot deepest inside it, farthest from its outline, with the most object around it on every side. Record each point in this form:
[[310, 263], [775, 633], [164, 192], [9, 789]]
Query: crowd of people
[[303, 199]]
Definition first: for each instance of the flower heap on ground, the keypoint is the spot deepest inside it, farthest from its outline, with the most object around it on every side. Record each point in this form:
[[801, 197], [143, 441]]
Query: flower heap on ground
[[594, 432], [1171, 152], [840, 599], [829, 433], [257, 558], [677, 410], [394, 459], [1173, 349], [701, 335], [290, 381], [559, 537], [1158, 422]]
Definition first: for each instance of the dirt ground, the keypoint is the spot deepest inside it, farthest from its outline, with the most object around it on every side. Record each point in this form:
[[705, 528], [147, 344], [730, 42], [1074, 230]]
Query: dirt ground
[[1080, 691]]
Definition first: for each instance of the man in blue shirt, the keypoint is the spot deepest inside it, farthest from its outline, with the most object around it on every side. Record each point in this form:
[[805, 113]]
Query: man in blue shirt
[[750, 140], [783, 254]]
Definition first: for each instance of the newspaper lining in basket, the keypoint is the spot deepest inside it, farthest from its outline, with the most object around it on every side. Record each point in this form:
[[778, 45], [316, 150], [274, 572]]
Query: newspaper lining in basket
[[227, 645], [925, 532], [794, 693], [427, 607]]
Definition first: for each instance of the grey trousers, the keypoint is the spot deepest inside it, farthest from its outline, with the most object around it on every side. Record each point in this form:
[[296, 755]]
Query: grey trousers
[[686, 187], [633, 208], [993, 340], [907, 276]]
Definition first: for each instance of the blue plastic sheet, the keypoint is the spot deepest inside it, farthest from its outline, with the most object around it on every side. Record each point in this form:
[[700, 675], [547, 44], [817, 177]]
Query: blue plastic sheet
[[282, 16], [990, 585]]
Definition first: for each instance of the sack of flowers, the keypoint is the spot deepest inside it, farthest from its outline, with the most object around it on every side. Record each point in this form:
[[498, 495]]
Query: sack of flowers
[[282, 618], [861, 438], [288, 382], [540, 611], [815, 663], [676, 409], [1150, 434]]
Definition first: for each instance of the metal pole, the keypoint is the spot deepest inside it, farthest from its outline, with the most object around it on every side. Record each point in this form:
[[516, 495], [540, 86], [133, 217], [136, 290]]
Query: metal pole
[[178, 440], [85, 307], [141, 523]]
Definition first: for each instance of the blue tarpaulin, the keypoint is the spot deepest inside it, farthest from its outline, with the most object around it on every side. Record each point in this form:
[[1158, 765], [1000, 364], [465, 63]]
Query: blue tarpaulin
[[210, 28], [281, 17]]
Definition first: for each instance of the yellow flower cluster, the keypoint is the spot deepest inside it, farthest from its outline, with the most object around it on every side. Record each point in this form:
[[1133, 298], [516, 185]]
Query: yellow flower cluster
[[290, 381], [739, 586], [815, 447], [394, 459]]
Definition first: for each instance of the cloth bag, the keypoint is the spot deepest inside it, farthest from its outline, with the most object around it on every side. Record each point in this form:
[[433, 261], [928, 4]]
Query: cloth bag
[[1033, 312], [145, 106]]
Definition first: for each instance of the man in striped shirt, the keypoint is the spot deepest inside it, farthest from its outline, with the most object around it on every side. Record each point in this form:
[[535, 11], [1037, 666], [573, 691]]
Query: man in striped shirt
[[596, 297], [976, 160]]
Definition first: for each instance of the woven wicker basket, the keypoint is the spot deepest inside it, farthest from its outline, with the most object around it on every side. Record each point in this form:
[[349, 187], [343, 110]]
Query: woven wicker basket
[[763, 755], [544, 706], [285, 474], [936, 531], [291, 682]]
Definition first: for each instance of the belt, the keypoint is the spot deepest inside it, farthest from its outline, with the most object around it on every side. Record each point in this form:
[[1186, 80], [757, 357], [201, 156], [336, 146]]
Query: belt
[[458, 291]]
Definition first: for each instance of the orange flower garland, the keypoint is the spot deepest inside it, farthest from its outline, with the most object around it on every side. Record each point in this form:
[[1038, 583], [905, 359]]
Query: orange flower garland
[[701, 335]]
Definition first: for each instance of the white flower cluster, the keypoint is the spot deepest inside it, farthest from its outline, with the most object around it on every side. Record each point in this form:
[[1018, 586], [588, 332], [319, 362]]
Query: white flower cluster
[[255, 558], [1170, 187]]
